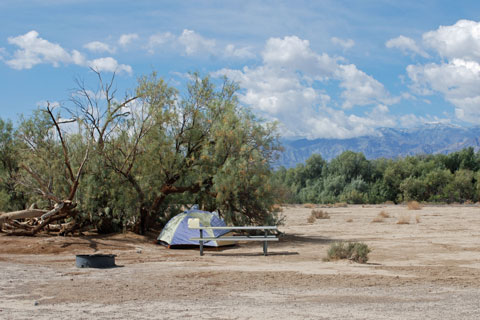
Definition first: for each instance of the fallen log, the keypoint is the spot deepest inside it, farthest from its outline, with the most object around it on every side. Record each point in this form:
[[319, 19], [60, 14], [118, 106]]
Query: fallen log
[[22, 214]]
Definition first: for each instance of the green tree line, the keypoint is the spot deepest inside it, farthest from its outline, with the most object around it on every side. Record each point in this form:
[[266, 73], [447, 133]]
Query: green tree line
[[132, 162], [352, 178]]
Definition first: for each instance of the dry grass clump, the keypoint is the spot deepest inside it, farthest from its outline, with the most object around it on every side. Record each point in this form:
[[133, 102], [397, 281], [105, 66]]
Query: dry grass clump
[[317, 214], [311, 219], [414, 205], [320, 214], [309, 206], [403, 219], [384, 214], [381, 216], [340, 205], [417, 218], [355, 251]]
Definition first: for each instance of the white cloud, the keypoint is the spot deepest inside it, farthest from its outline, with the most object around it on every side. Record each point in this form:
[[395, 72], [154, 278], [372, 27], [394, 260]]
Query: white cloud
[[191, 43], [456, 80], [344, 43], [360, 88], [126, 39], [109, 64], [241, 53], [99, 47], [457, 77], [288, 87], [159, 40], [461, 40], [194, 43], [34, 50], [406, 45]]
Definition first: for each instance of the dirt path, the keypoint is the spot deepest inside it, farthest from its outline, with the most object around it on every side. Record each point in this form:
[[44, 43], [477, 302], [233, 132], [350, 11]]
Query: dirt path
[[424, 270]]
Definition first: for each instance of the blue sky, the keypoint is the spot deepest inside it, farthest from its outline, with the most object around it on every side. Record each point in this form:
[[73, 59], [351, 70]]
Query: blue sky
[[335, 69]]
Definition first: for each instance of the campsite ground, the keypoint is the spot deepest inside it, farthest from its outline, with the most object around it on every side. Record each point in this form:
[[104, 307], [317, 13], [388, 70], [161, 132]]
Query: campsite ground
[[428, 269]]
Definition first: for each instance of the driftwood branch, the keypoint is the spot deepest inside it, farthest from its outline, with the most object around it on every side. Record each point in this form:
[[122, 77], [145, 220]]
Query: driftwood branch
[[22, 214], [55, 210]]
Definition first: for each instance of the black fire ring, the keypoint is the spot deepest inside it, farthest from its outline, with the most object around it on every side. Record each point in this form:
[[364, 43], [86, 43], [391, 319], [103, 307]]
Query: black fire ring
[[95, 261]]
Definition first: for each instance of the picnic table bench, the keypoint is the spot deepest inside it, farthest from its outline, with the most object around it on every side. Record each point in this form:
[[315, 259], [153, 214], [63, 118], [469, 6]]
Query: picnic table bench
[[266, 237]]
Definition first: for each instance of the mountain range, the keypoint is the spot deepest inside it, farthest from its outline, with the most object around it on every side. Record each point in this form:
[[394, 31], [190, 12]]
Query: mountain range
[[385, 143]]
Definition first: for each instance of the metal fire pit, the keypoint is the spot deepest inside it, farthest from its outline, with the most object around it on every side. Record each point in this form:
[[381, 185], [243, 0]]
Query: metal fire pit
[[95, 260]]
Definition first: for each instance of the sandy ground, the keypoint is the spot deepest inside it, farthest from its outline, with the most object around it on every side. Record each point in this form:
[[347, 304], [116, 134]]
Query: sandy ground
[[428, 269]]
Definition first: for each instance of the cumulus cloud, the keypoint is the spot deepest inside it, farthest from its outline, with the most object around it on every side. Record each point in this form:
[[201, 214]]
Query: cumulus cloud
[[195, 43], [242, 53], [406, 45], [34, 50], [461, 40], [159, 40], [99, 47], [109, 64], [456, 78], [360, 89], [289, 87], [344, 43], [126, 39]]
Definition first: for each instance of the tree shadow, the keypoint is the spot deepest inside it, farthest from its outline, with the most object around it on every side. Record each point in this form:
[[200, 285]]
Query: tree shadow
[[255, 254], [298, 239]]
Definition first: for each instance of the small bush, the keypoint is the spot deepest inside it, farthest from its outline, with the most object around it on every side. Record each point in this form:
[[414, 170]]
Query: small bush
[[355, 251], [384, 214], [320, 214], [311, 219], [414, 205], [403, 219], [340, 205], [309, 206]]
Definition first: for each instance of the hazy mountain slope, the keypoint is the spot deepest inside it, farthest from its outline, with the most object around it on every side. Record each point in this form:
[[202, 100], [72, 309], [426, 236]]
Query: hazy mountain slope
[[388, 143]]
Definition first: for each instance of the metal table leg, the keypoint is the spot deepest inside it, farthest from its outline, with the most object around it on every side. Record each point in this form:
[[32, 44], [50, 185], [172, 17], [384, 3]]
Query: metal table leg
[[201, 242]]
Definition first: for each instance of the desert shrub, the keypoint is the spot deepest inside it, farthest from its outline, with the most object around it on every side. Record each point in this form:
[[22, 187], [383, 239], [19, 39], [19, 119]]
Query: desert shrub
[[355, 251], [403, 219], [340, 205], [311, 219], [320, 214], [384, 214], [414, 205]]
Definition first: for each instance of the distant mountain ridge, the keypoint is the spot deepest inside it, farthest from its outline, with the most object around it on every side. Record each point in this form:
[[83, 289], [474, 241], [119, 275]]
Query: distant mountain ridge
[[386, 143]]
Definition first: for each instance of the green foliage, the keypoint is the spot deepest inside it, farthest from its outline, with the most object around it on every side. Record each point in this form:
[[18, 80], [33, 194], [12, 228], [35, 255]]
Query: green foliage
[[355, 251], [353, 179]]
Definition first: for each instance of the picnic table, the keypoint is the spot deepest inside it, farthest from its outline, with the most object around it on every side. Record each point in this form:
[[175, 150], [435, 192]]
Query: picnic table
[[265, 238]]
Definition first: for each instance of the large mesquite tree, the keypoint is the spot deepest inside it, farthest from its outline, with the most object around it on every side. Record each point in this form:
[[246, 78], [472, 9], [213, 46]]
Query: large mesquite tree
[[165, 148]]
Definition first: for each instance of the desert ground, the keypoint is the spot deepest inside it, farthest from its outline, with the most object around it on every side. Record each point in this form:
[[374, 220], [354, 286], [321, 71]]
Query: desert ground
[[426, 269]]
